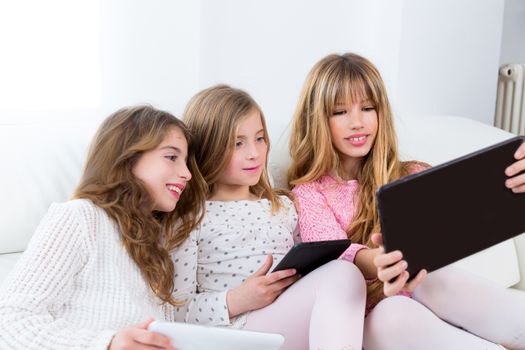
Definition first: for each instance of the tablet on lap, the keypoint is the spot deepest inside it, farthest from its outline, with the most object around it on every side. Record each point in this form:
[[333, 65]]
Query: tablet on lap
[[194, 337], [307, 256]]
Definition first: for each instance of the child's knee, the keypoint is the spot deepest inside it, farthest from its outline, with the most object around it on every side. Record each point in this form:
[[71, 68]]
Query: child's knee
[[440, 285], [395, 315], [344, 274]]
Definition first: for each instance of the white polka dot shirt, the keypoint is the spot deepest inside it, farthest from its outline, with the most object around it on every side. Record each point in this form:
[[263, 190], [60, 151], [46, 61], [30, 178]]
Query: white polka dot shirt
[[231, 243]]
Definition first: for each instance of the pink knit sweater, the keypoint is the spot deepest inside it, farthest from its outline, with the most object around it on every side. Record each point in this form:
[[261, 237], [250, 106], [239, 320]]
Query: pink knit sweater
[[326, 208]]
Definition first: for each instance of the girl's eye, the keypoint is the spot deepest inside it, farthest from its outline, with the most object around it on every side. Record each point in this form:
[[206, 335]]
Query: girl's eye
[[261, 139], [172, 158], [238, 144], [340, 112], [368, 108]]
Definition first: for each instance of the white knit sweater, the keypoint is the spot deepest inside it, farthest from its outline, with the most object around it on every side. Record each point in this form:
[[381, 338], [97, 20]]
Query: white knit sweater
[[75, 285]]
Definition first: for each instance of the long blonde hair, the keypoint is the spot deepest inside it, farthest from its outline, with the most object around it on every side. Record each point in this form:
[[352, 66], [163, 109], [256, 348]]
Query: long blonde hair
[[108, 181], [345, 78], [213, 116]]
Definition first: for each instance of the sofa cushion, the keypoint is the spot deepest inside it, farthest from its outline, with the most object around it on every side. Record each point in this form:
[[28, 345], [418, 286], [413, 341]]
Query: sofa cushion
[[42, 164]]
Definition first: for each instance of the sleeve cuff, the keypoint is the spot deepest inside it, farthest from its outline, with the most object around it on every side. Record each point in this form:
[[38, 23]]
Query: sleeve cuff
[[351, 252], [209, 309]]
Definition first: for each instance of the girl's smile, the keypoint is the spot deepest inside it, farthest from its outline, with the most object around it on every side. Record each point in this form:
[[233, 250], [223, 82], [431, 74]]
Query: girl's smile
[[254, 169], [357, 140], [175, 189]]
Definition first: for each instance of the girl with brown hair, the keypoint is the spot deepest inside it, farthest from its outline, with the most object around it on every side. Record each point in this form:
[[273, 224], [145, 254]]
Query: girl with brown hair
[[223, 269], [102, 262], [343, 148]]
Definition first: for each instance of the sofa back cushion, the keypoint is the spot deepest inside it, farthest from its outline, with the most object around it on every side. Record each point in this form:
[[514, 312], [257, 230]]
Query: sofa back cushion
[[41, 164]]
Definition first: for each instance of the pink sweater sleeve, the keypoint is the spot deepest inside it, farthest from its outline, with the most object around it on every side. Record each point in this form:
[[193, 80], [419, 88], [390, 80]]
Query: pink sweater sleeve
[[317, 221]]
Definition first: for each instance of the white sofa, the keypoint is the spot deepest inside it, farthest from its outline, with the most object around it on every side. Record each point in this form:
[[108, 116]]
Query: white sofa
[[42, 163]]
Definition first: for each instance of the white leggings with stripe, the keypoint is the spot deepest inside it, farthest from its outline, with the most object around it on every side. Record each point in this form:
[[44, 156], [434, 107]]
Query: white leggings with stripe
[[451, 309]]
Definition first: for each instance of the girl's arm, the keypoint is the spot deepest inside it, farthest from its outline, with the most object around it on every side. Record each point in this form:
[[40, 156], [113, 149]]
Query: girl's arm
[[517, 182], [205, 308], [259, 290], [40, 282], [317, 221], [219, 308], [364, 260]]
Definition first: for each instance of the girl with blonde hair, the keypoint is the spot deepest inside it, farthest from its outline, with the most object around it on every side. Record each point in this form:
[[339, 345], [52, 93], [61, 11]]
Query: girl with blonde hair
[[101, 262], [343, 147], [223, 267]]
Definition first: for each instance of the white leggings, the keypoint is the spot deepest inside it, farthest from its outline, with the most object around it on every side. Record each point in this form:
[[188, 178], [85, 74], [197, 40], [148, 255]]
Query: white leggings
[[323, 310], [451, 309]]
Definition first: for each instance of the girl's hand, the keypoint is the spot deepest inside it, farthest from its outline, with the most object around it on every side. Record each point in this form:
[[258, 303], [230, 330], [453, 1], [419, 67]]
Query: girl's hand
[[139, 338], [517, 183], [259, 290], [392, 271]]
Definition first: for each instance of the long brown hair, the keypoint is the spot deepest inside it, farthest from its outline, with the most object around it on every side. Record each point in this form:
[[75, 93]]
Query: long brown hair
[[334, 79], [108, 182], [213, 116]]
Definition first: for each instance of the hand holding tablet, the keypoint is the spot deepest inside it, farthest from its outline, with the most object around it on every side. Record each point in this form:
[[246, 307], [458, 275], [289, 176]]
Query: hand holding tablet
[[193, 337]]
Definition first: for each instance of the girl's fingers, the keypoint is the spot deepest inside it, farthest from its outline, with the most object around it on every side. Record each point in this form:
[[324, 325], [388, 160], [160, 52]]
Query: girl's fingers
[[520, 152], [515, 182], [519, 189], [377, 239], [515, 168], [279, 275], [265, 267], [151, 339], [285, 283], [396, 286], [416, 281], [391, 272], [146, 324], [384, 260]]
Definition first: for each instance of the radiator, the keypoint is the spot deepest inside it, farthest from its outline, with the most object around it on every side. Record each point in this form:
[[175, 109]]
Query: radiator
[[510, 103]]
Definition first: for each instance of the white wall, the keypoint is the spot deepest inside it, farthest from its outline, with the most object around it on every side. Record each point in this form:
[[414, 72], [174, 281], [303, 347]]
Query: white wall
[[513, 40], [449, 57], [437, 57], [267, 48], [150, 52], [75, 60], [83, 59]]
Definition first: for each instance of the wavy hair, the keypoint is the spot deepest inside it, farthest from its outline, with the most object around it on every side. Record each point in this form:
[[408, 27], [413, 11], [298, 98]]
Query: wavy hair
[[335, 79], [213, 116], [107, 180]]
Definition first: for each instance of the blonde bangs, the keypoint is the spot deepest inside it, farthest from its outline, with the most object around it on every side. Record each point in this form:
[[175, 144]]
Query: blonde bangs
[[350, 87]]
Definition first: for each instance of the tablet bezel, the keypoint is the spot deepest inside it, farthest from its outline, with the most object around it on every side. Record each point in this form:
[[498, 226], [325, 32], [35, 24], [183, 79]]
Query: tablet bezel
[[307, 256]]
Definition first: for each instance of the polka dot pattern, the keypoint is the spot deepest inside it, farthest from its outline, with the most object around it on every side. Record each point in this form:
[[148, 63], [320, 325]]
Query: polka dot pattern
[[231, 243]]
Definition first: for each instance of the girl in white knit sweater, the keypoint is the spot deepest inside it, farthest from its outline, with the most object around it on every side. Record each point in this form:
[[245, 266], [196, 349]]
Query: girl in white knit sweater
[[101, 262]]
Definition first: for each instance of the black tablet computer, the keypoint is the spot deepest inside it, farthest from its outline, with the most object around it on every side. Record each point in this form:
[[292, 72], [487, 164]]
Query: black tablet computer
[[307, 256], [453, 210]]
